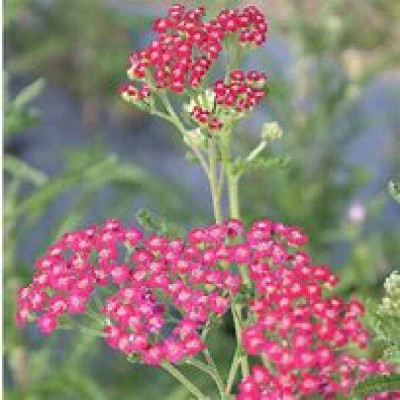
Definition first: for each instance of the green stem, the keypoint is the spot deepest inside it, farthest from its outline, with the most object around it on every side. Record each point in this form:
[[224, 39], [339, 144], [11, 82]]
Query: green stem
[[17, 356], [234, 211], [233, 193], [256, 151], [168, 106], [207, 354], [244, 363], [184, 381], [233, 370], [214, 184], [173, 119], [231, 176], [212, 372]]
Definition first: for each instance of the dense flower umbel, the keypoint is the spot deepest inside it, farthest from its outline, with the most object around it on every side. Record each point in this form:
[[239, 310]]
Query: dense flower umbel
[[232, 98], [187, 46], [298, 331], [242, 92], [162, 291]]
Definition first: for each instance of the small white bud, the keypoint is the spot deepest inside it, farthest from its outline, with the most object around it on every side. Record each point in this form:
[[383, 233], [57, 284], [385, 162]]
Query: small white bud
[[391, 302], [131, 74], [271, 131], [204, 100]]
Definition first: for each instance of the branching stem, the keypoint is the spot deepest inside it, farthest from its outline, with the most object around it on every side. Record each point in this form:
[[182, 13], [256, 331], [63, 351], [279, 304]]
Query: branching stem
[[193, 389]]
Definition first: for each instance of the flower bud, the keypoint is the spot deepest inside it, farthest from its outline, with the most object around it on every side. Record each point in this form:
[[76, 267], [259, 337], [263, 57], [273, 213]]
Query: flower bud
[[271, 131], [391, 302], [204, 100], [131, 73]]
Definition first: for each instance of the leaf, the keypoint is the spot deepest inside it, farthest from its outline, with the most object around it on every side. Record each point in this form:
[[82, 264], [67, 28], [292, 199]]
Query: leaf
[[376, 384], [259, 163], [28, 93], [75, 214], [18, 115], [386, 327], [22, 170], [394, 190], [94, 175], [156, 224], [392, 354]]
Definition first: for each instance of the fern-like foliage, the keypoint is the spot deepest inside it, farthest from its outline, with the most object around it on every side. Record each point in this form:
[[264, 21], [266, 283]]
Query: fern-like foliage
[[261, 163], [384, 321], [377, 384], [394, 190]]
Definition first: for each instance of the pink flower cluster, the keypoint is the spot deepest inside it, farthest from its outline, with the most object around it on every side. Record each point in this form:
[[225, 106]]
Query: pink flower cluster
[[243, 91], [264, 385], [299, 332], [187, 46], [132, 94], [205, 117], [163, 290], [158, 293]]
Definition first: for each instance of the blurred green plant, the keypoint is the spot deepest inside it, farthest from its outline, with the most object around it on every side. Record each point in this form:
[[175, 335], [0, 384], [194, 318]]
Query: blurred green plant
[[385, 318], [316, 99], [377, 384], [384, 322], [64, 39], [30, 193], [80, 44], [18, 116], [394, 190]]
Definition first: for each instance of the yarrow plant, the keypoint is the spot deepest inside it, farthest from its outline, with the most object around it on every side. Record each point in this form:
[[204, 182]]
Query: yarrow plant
[[155, 298]]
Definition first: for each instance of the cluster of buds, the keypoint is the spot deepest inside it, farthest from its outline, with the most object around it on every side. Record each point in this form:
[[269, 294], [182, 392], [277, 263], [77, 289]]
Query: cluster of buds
[[231, 99], [391, 301], [187, 46], [250, 25], [271, 131], [206, 118], [242, 92], [138, 96]]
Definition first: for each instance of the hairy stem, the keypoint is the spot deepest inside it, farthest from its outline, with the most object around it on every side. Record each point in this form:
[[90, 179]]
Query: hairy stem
[[233, 193], [214, 186], [234, 211], [226, 155], [256, 151]]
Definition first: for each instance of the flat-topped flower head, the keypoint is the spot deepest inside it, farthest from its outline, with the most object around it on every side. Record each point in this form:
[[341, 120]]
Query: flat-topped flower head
[[160, 293], [154, 288], [185, 49]]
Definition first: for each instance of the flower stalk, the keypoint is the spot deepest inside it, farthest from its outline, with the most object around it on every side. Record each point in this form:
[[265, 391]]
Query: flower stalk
[[181, 378]]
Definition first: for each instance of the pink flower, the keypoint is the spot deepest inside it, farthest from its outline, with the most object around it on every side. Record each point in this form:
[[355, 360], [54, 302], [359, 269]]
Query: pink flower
[[47, 323]]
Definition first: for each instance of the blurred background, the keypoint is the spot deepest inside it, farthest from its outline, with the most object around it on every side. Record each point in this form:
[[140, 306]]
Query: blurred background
[[76, 153]]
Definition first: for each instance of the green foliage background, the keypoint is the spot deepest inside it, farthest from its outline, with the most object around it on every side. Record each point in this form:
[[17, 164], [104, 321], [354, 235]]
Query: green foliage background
[[337, 50]]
